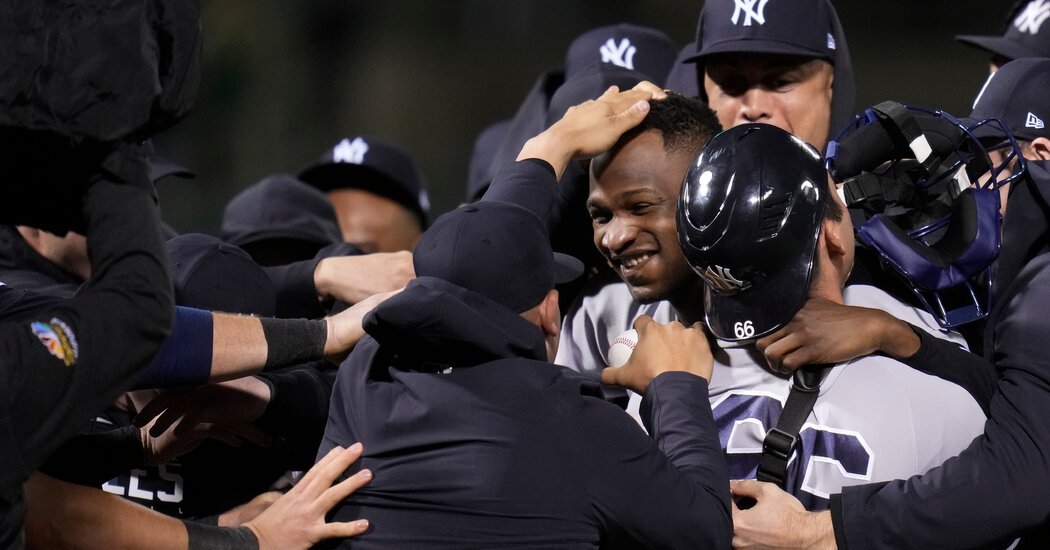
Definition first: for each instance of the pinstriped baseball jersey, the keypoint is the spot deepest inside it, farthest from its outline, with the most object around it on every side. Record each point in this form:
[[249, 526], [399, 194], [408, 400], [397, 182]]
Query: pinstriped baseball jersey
[[875, 418]]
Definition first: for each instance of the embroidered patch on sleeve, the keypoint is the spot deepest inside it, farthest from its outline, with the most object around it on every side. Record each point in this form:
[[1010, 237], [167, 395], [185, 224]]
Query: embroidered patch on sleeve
[[59, 340]]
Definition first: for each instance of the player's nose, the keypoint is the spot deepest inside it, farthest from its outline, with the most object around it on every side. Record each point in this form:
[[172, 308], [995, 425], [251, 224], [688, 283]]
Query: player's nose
[[756, 105], [619, 235]]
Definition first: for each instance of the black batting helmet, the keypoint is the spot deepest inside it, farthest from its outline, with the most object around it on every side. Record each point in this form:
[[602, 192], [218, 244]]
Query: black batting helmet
[[748, 220]]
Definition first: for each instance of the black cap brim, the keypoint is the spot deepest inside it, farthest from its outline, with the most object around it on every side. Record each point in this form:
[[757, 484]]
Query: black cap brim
[[773, 47], [566, 268], [999, 45], [758, 311]]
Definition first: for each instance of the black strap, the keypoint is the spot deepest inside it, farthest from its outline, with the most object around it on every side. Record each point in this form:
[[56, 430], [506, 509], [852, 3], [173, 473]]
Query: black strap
[[904, 121], [781, 441]]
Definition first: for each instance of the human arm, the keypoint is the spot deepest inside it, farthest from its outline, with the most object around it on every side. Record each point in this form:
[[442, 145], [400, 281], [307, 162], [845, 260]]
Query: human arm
[[778, 520], [686, 487], [993, 491], [592, 127], [87, 518], [250, 344], [825, 332], [66, 362], [289, 408], [585, 131]]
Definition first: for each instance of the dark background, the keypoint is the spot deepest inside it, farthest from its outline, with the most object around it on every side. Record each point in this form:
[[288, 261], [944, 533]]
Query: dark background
[[284, 80]]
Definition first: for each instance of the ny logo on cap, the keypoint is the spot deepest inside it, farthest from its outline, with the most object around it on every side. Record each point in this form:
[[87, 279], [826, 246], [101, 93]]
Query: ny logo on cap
[[747, 7], [1033, 16], [350, 151], [722, 280], [1032, 121], [621, 56]]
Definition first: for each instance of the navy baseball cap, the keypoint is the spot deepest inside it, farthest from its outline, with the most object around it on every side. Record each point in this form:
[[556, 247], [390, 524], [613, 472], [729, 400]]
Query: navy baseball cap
[[479, 173], [632, 47], [497, 249], [1025, 35], [207, 273], [371, 165], [802, 27], [682, 78], [1016, 95], [280, 207]]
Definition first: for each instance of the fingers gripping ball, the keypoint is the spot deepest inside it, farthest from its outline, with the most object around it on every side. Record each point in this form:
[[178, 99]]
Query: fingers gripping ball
[[621, 348]]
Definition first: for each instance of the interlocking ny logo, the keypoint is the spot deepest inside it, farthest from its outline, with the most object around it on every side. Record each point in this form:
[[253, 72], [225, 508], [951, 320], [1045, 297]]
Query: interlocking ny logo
[[1033, 16], [350, 151], [621, 56], [747, 7], [1033, 121], [722, 280]]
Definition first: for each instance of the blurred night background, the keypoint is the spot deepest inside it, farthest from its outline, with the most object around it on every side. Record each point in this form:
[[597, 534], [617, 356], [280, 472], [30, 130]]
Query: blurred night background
[[283, 81]]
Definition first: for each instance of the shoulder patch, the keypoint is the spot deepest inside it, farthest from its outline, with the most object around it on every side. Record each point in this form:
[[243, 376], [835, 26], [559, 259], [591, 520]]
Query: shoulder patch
[[58, 338]]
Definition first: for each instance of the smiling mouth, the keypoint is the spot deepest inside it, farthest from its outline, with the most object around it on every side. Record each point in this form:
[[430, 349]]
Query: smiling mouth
[[633, 262]]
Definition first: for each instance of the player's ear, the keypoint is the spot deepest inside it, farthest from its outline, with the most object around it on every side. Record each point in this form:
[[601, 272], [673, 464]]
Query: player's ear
[[1041, 148], [832, 236], [550, 314]]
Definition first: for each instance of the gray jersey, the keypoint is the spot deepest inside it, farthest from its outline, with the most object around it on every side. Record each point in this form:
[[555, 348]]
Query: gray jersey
[[875, 419]]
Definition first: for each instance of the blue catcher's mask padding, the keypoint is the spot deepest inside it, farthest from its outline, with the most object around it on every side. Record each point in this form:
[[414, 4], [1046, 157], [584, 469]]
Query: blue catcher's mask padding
[[924, 195]]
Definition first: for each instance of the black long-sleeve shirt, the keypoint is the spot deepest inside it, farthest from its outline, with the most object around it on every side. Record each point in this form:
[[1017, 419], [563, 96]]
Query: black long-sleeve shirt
[[70, 360]]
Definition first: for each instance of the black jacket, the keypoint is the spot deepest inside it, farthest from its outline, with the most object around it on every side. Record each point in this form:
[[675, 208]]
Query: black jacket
[[70, 360], [476, 441]]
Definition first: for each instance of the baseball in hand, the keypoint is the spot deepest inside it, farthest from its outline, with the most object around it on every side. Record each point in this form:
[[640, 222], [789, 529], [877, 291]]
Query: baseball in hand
[[621, 348]]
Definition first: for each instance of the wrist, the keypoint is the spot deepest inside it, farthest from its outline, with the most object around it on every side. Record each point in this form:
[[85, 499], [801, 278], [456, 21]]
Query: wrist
[[545, 147], [817, 530], [321, 280], [898, 339]]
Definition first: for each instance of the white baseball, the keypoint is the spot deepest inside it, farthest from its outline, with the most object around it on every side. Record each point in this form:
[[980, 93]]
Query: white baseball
[[621, 348]]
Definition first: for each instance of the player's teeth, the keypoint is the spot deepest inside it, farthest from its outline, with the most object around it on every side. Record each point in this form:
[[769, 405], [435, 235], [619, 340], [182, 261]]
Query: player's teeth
[[634, 262]]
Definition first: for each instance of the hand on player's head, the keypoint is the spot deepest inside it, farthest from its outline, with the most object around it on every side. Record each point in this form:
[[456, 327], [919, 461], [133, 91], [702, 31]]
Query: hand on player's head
[[593, 126], [660, 349]]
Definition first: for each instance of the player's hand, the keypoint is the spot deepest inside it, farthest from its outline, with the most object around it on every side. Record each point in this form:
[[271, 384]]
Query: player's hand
[[592, 127], [825, 332], [660, 349], [175, 423], [351, 279], [345, 328], [297, 519], [239, 515], [777, 520]]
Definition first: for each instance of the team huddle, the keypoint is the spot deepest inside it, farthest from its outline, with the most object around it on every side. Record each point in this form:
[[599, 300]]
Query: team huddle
[[694, 298]]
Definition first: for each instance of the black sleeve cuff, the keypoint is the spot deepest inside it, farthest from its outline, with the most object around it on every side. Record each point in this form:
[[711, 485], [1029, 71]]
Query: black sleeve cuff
[[836, 521]]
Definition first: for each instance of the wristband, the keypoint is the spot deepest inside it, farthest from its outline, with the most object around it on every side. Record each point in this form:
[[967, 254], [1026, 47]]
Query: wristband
[[293, 341], [207, 537]]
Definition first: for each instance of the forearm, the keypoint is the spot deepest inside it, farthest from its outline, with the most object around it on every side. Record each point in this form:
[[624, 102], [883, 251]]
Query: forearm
[[64, 515], [531, 184], [947, 360], [678, 415]]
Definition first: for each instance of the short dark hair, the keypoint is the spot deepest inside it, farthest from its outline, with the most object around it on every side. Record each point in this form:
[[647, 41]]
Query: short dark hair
[[832, 209], [686, 123]]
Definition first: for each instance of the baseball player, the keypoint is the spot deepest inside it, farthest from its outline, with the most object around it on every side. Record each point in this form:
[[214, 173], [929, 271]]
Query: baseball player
[[379, 195], [631, 190], [780, 63], [1024, 35], [994, 491]]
